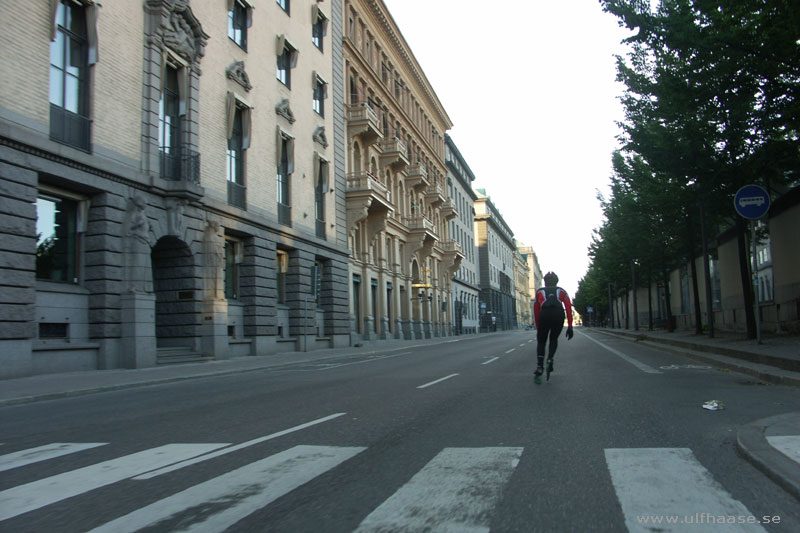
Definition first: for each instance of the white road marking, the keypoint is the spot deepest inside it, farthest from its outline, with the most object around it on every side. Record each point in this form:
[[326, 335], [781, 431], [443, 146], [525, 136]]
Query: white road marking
[[638, 364], [437, 381], [511, 350], [456, 491], [43, 453], [788, 445], [492, 360], [523, 344], [655, 485], [234, 448], [219, 503], [36, 494]]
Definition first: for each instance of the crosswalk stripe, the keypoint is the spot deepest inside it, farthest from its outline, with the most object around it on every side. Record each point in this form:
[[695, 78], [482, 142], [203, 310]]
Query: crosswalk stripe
[[789, 445], [666, 487], [36, 494], [218, 503], [455, 491], [43, 453], [236, 447]]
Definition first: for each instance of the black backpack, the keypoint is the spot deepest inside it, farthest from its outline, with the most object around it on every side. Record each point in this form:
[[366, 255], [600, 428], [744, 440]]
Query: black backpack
[[551, 298]]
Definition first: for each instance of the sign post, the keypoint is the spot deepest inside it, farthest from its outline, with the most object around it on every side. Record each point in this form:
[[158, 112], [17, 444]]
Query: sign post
[[752, 203]]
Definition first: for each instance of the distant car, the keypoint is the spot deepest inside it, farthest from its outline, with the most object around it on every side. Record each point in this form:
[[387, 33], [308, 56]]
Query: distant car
[[529, 326]]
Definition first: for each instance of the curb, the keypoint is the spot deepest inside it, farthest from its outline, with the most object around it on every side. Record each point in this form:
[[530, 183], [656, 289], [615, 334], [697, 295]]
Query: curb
[[752, 444], [717, 357]]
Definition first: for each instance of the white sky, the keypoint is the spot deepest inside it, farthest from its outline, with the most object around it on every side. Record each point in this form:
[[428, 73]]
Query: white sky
[[530, 88]]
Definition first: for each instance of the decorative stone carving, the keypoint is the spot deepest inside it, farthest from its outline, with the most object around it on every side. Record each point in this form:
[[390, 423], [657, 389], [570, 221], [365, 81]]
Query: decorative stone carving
[[319, 136], [214, 260], [283, 110], [136, 247], [173, 25], [237, 73], [175, 226]]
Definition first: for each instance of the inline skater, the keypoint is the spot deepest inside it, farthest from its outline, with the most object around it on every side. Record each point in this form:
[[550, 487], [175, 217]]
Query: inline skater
[[548, 314]]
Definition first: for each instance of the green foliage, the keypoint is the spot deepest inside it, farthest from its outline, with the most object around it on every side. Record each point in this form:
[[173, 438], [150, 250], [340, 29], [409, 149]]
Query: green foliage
[[712, 102]]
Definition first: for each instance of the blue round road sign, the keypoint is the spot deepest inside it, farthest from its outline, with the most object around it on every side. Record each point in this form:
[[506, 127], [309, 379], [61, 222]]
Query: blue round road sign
[[751, 201]]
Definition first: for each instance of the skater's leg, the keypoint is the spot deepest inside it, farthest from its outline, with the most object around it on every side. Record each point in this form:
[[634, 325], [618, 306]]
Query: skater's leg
[[541, 340], [555, 331]]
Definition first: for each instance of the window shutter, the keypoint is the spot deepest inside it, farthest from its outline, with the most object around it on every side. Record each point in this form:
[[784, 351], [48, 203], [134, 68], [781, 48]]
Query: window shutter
[[290, 155], [92, 13], [293, 57], [314, 13], [183, 89], [280, 45], [324, 171], [247, 114], [316, 170], [231, 4], [163, 80], [230, 106], [278, 145], [53, 14]]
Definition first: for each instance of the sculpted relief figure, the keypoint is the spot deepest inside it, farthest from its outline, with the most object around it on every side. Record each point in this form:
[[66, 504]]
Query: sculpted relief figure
[[136, 247]]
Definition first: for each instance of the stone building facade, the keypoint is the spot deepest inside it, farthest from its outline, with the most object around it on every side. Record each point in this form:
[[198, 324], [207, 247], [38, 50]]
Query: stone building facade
[[402, 257], [123, 247], [496, 249], [535, 281], [522, 296], [465, 296]]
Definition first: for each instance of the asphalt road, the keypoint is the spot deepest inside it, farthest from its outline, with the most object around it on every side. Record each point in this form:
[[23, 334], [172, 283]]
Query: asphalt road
[[448, 437]]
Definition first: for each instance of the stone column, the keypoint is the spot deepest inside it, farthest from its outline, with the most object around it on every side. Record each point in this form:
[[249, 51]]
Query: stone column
[[214, 328], [138, 346]]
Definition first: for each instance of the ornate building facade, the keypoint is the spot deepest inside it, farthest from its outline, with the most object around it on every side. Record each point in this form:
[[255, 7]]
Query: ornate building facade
[[466, 309], [522, 295], [402, 257], [123, 246]]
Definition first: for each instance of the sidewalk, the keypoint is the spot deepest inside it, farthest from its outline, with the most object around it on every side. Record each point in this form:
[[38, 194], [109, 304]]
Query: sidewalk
[[771, 444]]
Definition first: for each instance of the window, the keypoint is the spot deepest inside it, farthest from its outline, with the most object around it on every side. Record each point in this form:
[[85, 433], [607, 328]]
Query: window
[[57, 244], [320, 94], [72, 50], [287, 60], [316, 280], [319, 26], [321, 169], [281, 268], [233, 255], [285, 157], [239, 19], [284, 5], [238, 142]]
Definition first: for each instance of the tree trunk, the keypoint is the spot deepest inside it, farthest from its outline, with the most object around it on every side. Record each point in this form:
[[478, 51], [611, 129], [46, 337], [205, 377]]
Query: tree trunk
[[747, 285], [650, 298], [667, 298], [698, 320]]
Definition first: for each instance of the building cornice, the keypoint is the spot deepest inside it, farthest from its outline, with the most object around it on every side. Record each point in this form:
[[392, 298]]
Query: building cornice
[[392, 30]]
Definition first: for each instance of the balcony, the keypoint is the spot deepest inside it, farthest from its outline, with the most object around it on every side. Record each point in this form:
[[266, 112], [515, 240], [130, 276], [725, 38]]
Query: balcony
[[237, 195], [420, 223], [434, 194], [70, 128], [417, 176], [179, 164], [448, 209], [393, 152], [452, 255], [366, 197], [364, 122]]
